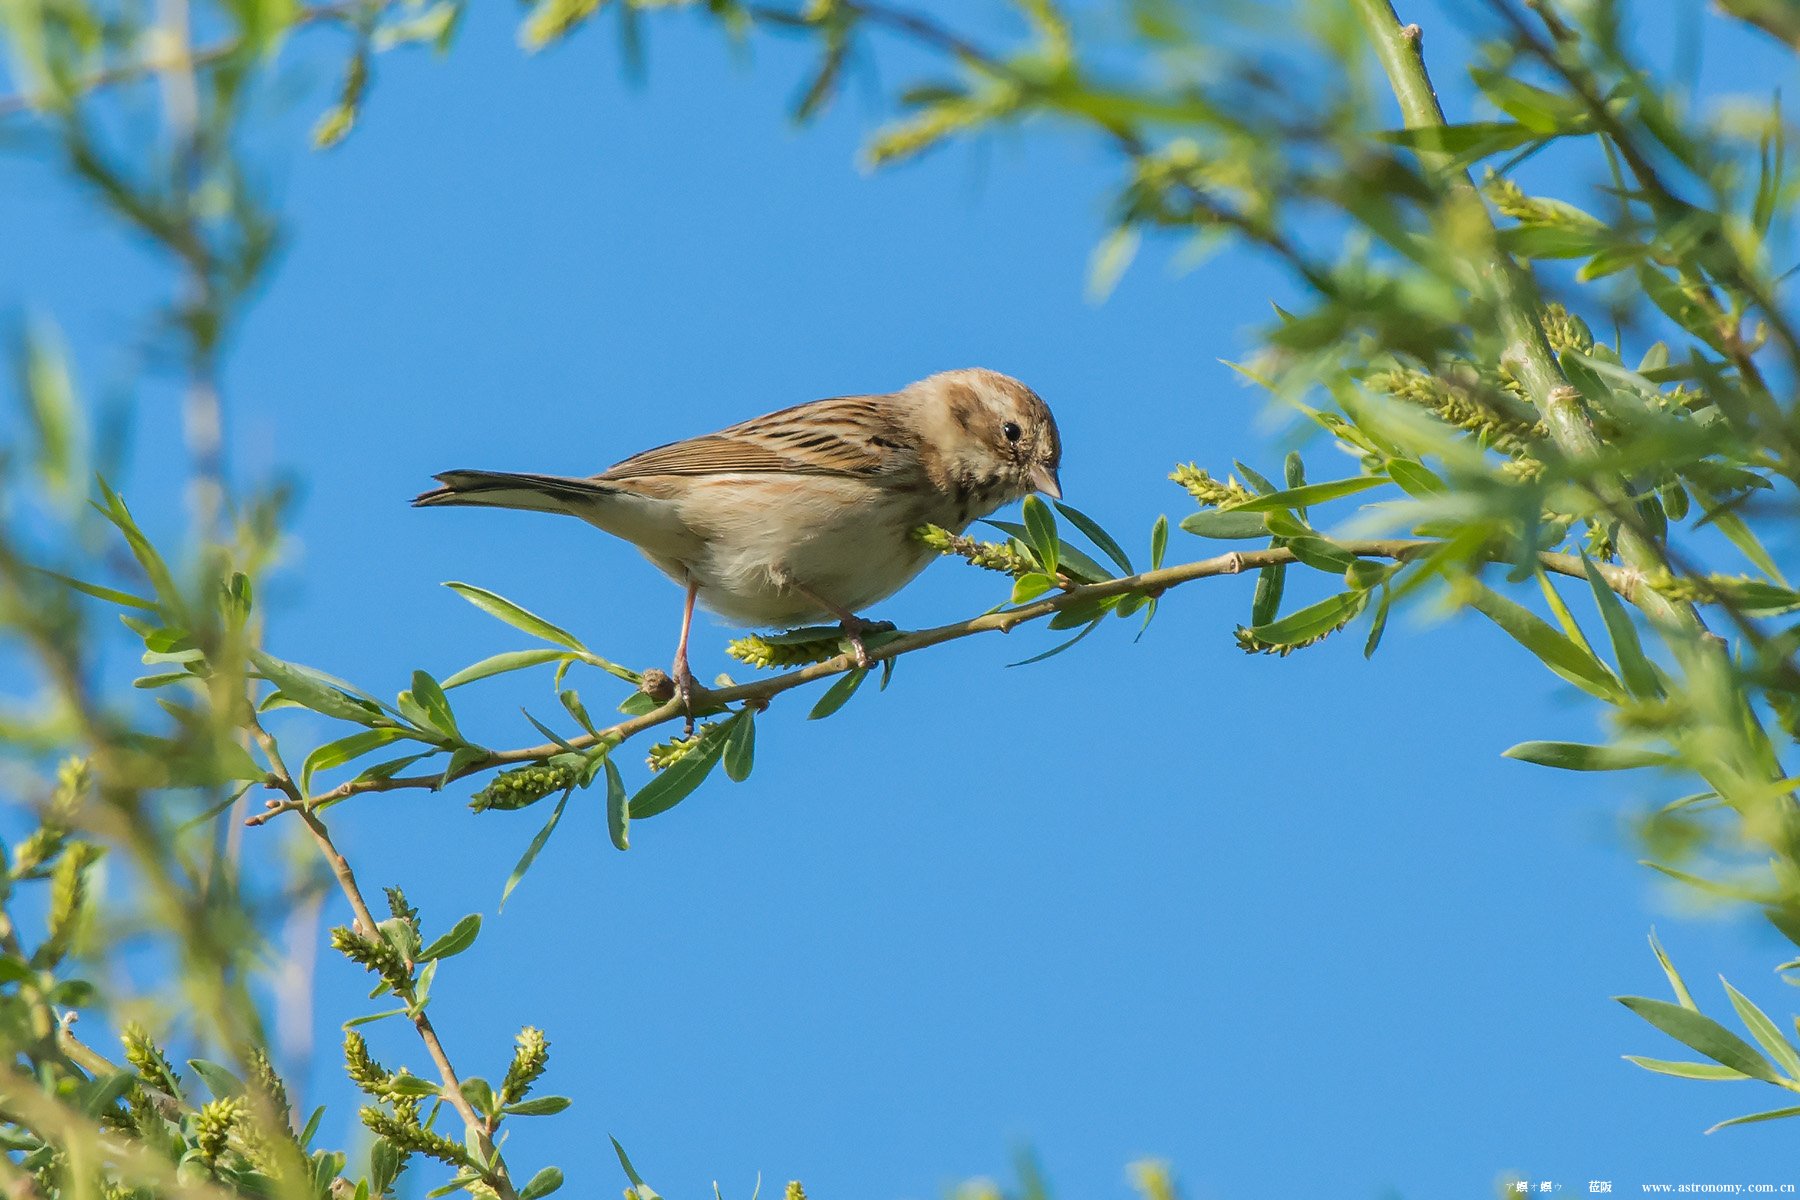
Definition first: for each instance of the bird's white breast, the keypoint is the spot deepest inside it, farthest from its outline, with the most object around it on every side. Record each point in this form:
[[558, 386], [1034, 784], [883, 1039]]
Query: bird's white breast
[[758, 543]]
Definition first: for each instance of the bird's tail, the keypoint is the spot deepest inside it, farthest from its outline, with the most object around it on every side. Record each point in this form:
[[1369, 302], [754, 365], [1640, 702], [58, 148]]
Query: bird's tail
[[503, 489]]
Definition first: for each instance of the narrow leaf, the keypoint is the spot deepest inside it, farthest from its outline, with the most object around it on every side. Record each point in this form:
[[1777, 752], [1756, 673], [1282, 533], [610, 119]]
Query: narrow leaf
[[1639, 675], [673, 785], [1311, 493], [740, 748], [1094, 533], [531, 851], [1704, 1034], [618, 808], [460, 938], [1686, 1070], [499, 664], [1773, 1114], [837, 695], [1225, 526], [543, 1183], [1040, 525], [519, 618], [1578, 756], [1778, 1048], [1555, 649], [1675, 981]]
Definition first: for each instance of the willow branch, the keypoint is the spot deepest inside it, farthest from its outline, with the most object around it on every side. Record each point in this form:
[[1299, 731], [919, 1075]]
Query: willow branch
[[493, 1166], [84, 1142], [177, 58], [1628, 583], [1400, 49]]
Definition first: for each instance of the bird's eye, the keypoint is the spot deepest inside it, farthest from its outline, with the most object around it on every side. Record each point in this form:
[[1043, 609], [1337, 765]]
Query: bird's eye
[[1011, 430]]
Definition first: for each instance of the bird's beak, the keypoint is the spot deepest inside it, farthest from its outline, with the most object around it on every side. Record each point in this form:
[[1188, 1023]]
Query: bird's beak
[[1044, 480]]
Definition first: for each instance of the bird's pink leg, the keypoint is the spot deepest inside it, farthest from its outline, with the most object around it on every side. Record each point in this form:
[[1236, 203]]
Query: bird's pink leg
[[685, 684]]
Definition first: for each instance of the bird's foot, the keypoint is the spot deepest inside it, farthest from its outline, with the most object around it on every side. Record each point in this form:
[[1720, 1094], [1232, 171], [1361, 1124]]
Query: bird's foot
[[854, 628], [687, 689], [678, 684]]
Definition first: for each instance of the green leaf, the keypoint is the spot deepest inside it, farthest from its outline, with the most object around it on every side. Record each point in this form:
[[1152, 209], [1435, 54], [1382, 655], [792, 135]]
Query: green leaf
[[1029, 587], [1556, 651], [1773, 1114], [1313, 620], [1556, 241], [638, 703], [373, 1017], [571, 701], [1294, 470], [1466, 142], [1577, 756], [1415, 479], [541, 1106], [1040, 526], [310, 689], [1094, 533], [645, 1191], [1322, 554], [111, 595], [837, 695], [1056, 650], [460, 938], [1721, 517], [430, 697], [1378, 626], [618, 810], [162, 580], [1308, 494], [1686, 1070], [1159, 542], [499, 664], [740, 747], [543, 1183], [336, 754], [1226, 526], [407, 1084], [1636, 669], [673, 785], [1675, 981], [537, 845], [1271, 582], [219, 1080], [519, 618], [1704, 1034], [1767, 1035]]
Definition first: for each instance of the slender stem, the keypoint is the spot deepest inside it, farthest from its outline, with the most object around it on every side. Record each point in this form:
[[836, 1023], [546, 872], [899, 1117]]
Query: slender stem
[[493, 1167], [162, 59], [1400, 49], [1628, 583]]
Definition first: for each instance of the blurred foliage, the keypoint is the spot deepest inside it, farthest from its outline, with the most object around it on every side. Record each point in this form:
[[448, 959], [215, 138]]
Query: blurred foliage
[[1570, 414]]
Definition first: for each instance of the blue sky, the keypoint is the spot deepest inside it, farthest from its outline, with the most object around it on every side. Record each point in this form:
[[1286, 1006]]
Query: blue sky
[[1292, 924]]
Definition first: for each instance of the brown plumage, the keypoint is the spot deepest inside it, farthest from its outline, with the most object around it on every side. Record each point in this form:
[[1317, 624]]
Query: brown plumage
[[808, 512]]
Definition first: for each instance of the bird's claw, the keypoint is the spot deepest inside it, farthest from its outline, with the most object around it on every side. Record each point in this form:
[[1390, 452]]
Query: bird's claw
[[687, 688], [854, 628]]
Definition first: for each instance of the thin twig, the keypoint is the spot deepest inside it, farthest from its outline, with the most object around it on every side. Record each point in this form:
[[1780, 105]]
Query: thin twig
[[1626, 582], [164, 59], [1400, 49], [493, 1166]]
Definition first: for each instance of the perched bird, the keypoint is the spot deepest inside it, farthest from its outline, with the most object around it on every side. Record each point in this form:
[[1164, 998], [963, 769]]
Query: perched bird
[[807, 513]]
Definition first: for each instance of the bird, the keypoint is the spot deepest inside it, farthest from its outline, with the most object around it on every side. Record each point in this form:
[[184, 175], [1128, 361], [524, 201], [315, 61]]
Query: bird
[[804, 514]]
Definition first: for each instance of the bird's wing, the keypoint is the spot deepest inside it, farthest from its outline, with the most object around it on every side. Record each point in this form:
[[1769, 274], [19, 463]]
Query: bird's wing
[[848, 435]]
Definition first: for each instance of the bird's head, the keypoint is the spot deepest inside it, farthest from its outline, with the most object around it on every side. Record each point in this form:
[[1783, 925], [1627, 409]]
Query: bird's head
[[993, 433]]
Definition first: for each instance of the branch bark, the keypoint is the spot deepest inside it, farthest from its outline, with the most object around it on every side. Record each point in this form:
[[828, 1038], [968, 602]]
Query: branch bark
[[1400, 49], [494, 1170], [1627, 582]]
